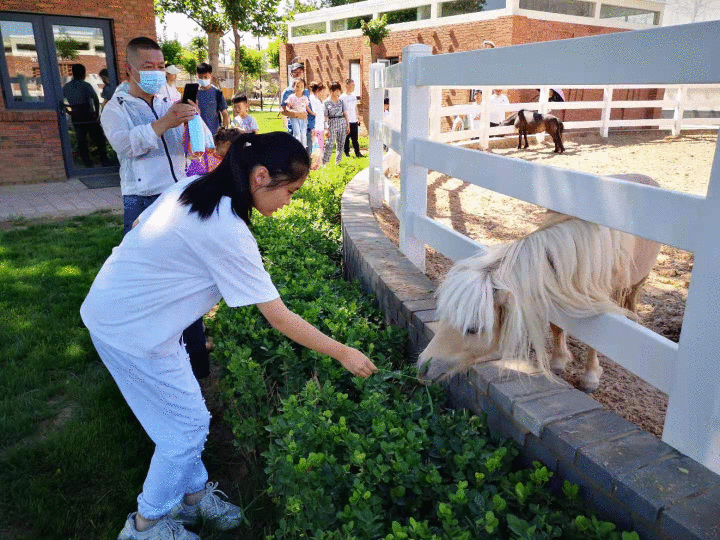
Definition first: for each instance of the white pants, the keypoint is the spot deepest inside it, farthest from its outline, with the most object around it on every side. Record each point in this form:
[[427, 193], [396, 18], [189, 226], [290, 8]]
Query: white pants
[[166, 399]]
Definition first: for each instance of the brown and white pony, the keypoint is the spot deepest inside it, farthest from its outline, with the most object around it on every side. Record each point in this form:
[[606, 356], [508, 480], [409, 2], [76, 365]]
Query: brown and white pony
[[496, 304], [533, 122]]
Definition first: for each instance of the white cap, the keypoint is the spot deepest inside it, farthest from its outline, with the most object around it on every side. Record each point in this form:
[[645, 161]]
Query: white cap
[[172, 70]]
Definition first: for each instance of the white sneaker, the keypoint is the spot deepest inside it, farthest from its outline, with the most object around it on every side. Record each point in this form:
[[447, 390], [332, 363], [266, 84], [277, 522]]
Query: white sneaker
[[165, 529], [221, 514]]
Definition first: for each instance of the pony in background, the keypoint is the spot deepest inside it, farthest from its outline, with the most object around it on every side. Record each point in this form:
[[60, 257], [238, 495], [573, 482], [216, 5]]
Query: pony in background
[[496, 304], [532, 122]]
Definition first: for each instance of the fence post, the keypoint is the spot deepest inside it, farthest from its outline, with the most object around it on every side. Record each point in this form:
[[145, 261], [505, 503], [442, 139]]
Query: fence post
[[543, 108], [485, 118], [413, 124], [679, 112], [692, 424], [607, 108], [377, 93]]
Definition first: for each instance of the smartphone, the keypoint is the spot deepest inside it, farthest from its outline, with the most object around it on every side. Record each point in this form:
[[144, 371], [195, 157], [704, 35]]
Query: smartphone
[[190, 92]]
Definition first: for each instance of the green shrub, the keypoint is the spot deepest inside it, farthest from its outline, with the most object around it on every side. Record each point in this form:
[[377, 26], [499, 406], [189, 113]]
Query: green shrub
[[366, 458]]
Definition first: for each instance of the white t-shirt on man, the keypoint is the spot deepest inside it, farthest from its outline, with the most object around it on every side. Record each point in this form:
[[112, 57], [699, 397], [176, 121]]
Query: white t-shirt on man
[[170, 270], [498, 116], [351, 102]]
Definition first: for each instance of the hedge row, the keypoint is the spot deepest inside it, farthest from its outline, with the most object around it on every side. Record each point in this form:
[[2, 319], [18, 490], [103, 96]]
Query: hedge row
[[383, 457]]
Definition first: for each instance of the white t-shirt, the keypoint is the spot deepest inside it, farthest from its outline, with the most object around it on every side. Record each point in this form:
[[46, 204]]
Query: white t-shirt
[[498, 117], [317, 107], [170, 92], [351, 102], [171, 269]]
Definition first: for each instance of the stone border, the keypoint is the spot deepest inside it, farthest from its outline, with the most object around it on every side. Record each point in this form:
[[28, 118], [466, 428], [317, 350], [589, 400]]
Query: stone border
[[628, 476]]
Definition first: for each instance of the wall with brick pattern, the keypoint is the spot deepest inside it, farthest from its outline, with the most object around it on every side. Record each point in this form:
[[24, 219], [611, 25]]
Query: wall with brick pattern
[[30, 146], [329, 59]]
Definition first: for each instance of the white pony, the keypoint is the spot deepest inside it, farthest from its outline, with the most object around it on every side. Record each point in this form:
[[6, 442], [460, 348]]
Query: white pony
[[496, 304]]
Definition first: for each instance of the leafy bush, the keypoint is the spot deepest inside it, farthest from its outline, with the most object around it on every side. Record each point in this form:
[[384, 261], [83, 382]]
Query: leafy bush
[[349, 458]]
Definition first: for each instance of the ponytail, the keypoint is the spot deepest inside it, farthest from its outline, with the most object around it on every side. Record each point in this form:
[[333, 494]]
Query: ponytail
[[280, 153]]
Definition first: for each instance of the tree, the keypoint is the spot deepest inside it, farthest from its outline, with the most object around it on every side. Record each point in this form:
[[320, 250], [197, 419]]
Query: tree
[[67, 47], [252, 64], [273, 53], [208, 14], [259, 17], [172, 51]]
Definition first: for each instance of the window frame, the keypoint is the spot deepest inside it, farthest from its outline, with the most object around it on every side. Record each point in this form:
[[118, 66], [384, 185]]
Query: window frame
[[43, 60]]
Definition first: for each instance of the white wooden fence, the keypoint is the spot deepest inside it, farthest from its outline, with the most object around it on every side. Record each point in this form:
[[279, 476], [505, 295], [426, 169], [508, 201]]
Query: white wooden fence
[[676, 98], [688, 371]]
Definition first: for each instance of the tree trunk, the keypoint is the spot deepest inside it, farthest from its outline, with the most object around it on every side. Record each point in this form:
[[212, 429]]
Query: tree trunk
[[238, 56], [214, 51]]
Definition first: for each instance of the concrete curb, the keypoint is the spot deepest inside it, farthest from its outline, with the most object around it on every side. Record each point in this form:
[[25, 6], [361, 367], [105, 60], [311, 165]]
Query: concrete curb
[[626, 475]]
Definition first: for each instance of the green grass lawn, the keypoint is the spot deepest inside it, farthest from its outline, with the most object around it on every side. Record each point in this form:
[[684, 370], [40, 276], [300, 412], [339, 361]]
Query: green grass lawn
[[268, 121], [71, 454]]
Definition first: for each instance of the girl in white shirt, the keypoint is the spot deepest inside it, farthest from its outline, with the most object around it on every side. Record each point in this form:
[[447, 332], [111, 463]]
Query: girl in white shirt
[[191, 248], [319, 93]]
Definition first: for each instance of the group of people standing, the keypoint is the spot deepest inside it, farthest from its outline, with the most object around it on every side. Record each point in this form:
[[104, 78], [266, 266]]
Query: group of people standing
[[322, 111], [186, 245]]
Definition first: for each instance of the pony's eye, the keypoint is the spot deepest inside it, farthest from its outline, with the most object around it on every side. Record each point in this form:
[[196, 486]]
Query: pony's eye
[[471, 331]]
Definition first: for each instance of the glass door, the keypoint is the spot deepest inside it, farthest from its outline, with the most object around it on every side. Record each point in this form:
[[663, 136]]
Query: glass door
[[83, 75]]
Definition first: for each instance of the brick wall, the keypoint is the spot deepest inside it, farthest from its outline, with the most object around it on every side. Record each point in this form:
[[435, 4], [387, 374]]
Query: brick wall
[[328, 59], [30, 147]]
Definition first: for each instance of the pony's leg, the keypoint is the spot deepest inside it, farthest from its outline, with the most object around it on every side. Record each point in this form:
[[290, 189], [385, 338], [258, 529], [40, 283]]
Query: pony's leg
[[561, 355], [520, 138], [591, 378], [526, 141]]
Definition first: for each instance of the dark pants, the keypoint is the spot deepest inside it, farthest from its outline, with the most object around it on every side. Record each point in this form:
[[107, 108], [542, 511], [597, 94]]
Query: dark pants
[[194, 335], [133, 206], [354, 137], [309, 142], [91, 129]]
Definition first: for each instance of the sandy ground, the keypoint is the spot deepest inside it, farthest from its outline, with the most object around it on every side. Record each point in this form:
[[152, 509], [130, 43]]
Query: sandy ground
[[680, 164]]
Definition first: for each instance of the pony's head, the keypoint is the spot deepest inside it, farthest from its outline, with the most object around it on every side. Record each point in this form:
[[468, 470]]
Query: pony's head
[[472, 310]]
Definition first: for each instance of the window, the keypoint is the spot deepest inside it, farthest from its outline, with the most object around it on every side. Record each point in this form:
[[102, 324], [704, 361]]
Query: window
[[356, 75], [338, 25], [407, 15], [631, 15], [309, 29], [566, 7], [353, 23], [460, 7], [22, 82]]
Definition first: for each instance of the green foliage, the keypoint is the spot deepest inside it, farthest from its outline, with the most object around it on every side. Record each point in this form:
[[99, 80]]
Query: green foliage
[[375, 30], [273, 53], [383, 457], [172, 51], [67, 47], [252, 62]]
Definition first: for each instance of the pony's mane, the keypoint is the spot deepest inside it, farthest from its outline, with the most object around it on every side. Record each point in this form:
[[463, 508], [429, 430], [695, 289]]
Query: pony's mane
[[576, 265]]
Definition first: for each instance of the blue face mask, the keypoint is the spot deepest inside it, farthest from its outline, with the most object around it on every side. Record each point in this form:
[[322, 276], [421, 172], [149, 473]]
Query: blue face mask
[[151, 82]]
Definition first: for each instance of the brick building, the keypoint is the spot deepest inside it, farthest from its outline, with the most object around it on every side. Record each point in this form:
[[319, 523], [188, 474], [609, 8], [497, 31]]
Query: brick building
[[332, 47], [41, 42]]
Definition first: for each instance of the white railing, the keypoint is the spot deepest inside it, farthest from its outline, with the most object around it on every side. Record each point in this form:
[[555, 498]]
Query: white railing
[[676, 98], [688, 371]]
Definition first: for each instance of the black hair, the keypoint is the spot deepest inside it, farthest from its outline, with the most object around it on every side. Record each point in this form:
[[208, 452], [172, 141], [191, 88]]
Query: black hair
[[386, 101], [224, 135], [315, 86], [280, 153], [104, 73], [78, 71], [335, 86], [240, 98], [142, 44], [203, 68]]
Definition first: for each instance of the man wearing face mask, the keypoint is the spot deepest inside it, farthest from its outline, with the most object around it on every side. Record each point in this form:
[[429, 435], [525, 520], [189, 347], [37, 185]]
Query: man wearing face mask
[[145, 130]]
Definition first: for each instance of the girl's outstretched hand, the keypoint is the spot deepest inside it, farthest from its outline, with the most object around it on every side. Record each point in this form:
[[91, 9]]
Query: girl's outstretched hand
[[357, 363]]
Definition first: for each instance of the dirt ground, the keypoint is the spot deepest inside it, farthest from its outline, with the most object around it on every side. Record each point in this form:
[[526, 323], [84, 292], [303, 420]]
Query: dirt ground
[[680, 164]]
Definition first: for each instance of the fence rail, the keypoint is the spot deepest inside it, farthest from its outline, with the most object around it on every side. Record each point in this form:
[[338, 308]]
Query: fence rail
[[676, 99], [673, 58]]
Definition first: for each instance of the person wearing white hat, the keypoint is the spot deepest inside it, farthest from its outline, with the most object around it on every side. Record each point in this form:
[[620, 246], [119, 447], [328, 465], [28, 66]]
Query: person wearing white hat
[[169, 91]]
